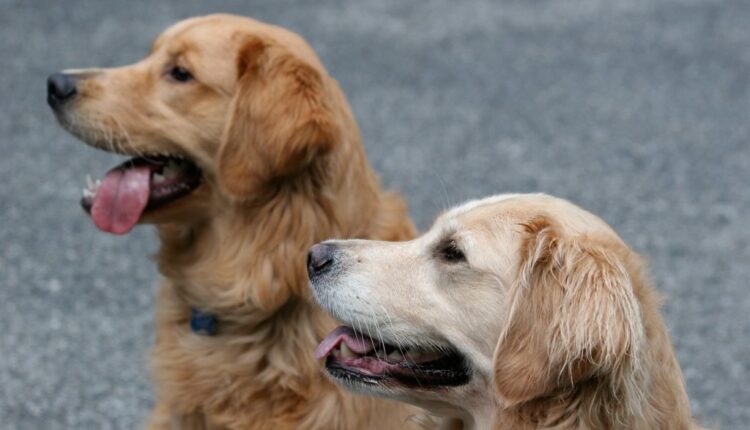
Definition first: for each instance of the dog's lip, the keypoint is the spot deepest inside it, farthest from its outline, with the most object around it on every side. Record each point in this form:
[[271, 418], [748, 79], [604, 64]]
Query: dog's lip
[[161, 194], [447, 371], [354, 356]]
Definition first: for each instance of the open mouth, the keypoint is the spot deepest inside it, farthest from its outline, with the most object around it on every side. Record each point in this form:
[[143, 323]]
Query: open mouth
[[357, 358], [141, 184]]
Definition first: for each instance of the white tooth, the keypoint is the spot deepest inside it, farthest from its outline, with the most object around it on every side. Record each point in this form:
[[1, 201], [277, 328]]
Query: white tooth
[[158, 177], [346, 352], [395, 356], [86, 192], [89, 181]]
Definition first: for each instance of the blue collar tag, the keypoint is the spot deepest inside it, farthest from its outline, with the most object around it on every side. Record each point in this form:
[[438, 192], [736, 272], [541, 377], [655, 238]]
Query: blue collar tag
[[202, 323]]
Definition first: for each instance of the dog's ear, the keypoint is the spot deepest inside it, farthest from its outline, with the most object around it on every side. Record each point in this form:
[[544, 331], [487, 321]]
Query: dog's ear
[[573, 315], [279, 121]]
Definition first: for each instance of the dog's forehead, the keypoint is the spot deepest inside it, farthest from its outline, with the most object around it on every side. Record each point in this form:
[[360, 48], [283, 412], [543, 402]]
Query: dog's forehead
[[222, 32], [196, 33], [216, 23], [521, 205], [474, 204], [509, 209], [475, 218], [483, 210]]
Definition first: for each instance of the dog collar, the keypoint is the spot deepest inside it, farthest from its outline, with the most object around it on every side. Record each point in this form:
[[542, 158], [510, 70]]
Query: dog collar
[[202, 323]]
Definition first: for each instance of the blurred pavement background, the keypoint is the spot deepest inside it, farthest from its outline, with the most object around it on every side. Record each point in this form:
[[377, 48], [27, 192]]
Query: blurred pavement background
[[638, 110]]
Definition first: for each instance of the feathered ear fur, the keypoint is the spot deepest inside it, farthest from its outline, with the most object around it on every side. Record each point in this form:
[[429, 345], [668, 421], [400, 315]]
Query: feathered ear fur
[[574, 315], [279, 121]]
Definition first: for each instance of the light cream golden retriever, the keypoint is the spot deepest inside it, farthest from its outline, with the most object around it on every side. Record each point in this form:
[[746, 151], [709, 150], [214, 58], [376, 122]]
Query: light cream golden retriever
[[245, 154], [512, 312]]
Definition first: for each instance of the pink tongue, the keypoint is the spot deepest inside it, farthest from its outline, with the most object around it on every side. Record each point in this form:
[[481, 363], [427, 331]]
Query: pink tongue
[[121, 199], [354, 341]]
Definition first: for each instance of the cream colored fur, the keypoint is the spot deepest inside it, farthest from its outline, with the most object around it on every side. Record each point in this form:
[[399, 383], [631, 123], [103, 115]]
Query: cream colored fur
[[553, 313]]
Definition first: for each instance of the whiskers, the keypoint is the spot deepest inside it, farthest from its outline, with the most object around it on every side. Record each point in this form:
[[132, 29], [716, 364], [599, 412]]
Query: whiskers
[[125, 142], [96, 132], [107, 133], [401, 344]]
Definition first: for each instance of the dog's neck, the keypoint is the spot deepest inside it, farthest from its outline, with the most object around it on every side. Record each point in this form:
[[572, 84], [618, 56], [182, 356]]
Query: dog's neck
[[245, 263]]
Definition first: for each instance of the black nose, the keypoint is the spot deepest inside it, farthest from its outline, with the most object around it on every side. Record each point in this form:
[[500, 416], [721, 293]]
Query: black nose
[[60, 88], [320, 259]]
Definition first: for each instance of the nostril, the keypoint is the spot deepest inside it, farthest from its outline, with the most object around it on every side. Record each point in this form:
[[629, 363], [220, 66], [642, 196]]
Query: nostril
[[319, 259], [60, 87], [321, 264]]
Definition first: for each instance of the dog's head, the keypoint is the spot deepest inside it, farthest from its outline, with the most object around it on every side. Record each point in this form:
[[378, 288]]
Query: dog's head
[[222, 107], [503, 301]]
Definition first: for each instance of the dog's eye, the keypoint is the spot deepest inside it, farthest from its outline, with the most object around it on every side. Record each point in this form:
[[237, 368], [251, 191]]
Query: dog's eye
[[451, 253], [180, 74]]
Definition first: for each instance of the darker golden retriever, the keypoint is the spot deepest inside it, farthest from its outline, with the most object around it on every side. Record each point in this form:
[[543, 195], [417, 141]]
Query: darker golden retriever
[[518, 312], [245, 154]]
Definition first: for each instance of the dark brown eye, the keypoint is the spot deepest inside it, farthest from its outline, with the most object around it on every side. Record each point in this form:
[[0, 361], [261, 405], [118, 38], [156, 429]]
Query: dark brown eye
[[180, 74], [451, 253]]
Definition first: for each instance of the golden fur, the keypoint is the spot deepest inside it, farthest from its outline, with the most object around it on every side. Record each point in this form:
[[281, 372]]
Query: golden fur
[[552, 311], [283, 167]]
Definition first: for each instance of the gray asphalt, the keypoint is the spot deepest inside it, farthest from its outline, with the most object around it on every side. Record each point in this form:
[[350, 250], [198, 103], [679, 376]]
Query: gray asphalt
[[638, 110]]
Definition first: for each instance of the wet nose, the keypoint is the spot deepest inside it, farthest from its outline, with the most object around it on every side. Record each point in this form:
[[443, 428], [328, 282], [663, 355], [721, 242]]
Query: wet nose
[[320, 259], [60, 88]]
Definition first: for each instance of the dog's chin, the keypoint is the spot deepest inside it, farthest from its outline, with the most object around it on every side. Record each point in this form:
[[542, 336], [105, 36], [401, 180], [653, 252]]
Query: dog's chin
[[358, 385], [191, 209], [440, 401]]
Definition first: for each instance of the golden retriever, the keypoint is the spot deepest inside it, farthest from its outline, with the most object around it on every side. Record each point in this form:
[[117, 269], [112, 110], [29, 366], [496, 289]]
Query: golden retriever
[[511, 312], [246, 153]]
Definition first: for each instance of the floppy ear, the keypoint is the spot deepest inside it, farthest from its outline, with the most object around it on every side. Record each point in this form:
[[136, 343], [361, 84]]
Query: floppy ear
[[279, 121], [573, 316]]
